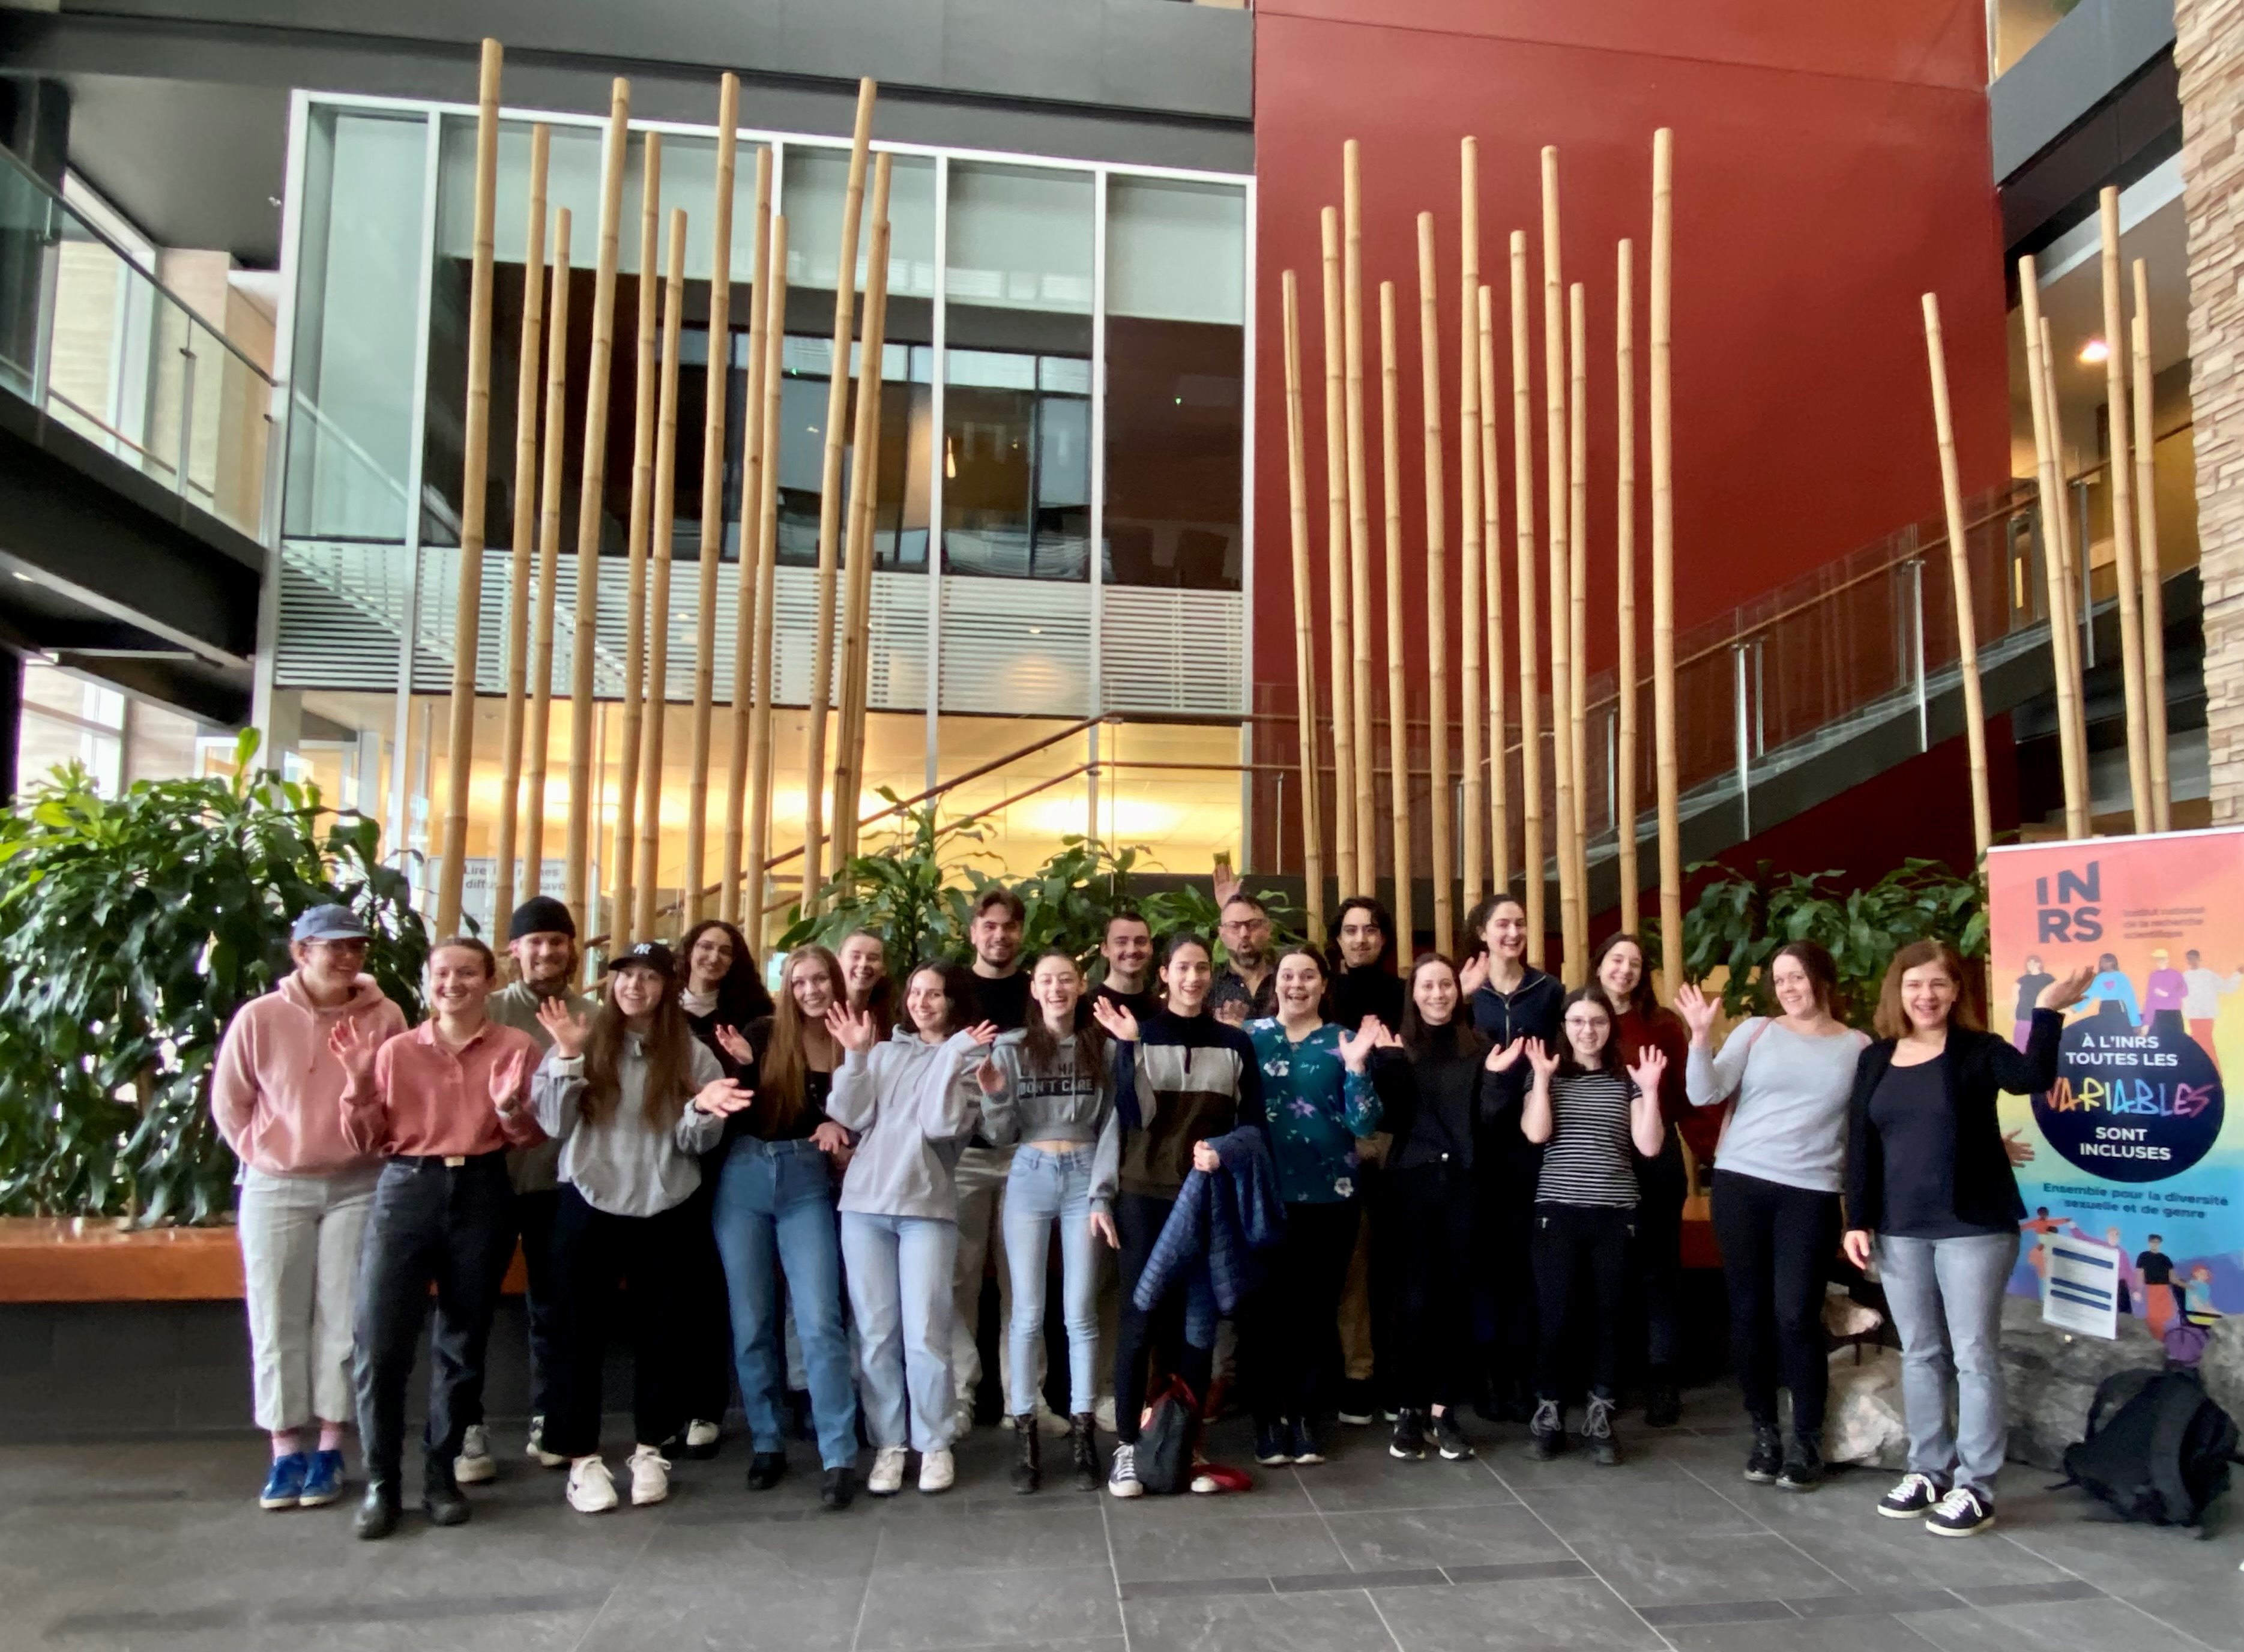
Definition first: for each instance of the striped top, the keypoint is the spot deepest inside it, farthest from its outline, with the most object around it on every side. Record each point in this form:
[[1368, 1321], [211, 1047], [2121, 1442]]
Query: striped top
[[1590, 1158]]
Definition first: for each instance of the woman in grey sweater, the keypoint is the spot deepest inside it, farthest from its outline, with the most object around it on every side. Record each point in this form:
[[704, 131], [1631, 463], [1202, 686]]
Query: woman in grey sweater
[[1051, 1086], [911, 1104], [1776, 1194]]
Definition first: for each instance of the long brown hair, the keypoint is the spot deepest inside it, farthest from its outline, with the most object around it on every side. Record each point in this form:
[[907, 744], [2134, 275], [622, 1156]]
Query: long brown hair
[[669, 1051], [1893, 1016], [1040, 1047], [1418, 1036], [785, 1068]]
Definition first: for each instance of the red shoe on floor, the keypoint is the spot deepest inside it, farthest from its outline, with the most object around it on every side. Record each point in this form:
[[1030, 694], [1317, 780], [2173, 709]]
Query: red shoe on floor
[[1210, 1478]]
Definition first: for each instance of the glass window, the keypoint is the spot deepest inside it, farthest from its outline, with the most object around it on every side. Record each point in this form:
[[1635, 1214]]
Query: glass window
[[1016, 407], [1176, 256], [69, 719]]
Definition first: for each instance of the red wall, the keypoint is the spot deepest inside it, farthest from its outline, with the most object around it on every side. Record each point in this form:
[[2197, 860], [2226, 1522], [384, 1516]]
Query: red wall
[[1831, 164]]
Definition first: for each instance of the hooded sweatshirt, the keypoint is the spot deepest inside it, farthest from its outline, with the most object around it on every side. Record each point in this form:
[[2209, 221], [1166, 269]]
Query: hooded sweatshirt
[[620, 1165], [912, 1105], [276, 1093]]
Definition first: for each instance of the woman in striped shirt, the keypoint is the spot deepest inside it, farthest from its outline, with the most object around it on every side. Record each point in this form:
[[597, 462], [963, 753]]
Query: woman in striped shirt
[[1590, 1118]]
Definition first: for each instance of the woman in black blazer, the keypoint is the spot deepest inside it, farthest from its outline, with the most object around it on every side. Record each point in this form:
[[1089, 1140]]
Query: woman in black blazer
[[1928, 1184]]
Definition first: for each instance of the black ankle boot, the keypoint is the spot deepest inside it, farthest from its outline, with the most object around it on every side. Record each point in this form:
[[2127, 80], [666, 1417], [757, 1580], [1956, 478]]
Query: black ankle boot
[[1083, 1449], [1803, 1464], [378, 1515], [1028, 1470], [1663, 1404], [1766, 1457]]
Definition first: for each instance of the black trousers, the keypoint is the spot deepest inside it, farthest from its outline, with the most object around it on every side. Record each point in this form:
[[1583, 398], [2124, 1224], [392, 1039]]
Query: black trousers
[[448, 1226], [533, 1226], [1572, 1241], [1662, 1185], [1289, 1329], [1432, 1209], [706, 1339], [1777, 1243], [1505, 1173], [594, 1254], [1383, 1279], [1140, 1334]]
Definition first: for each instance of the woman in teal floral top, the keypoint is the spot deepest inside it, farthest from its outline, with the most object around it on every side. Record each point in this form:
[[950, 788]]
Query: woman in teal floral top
[[1320, 1101]]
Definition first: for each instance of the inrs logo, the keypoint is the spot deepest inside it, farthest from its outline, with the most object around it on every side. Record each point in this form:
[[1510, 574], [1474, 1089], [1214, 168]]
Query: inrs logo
[[2067, 907]]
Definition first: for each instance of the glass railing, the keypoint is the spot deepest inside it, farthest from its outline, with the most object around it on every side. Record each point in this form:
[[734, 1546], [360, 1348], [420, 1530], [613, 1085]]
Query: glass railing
[[94, 341]]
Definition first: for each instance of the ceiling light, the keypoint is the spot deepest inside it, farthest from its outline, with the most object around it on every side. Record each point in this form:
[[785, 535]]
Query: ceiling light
[[2095, 353]]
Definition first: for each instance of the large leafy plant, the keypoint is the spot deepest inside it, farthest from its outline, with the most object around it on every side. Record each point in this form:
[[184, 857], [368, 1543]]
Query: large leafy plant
[[1741, 920], [130, 930]]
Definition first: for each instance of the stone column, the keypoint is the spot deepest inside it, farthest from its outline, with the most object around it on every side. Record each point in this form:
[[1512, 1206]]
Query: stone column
[[2209, 54]]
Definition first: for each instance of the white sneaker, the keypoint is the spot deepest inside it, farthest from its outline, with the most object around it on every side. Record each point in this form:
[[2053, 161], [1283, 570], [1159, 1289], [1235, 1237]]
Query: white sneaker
[[535, 1448], [473, 1466], [937, 1470], [650, 1473], [1105, 1411], [591, 1488], [964, 1424], [888, 1476], [1049, 1423], [700, 1436]]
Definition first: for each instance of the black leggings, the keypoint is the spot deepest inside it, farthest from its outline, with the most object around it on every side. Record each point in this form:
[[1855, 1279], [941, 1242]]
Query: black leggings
[[1138, 1333], [1433, 1206], [1777, 1243], [1289, 1329], [1663, 1185], [1569, 1240]]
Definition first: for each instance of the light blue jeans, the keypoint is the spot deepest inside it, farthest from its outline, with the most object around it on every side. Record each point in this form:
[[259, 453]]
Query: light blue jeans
[[1045, 1187], [1947, 1301], [899, 1269]]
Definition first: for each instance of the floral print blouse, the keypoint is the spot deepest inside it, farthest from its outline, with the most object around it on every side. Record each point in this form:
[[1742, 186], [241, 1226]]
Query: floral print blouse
[[1317, 1110]]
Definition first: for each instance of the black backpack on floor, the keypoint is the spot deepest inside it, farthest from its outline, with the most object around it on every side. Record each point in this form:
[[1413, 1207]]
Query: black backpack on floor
[[2158, 1448]]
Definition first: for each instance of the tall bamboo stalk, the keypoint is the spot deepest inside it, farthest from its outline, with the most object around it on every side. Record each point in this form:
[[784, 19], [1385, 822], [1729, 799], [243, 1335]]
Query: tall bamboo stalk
[[1305, 618], [1359, 533], [1625, 578], [734, 905], [829, 514], [592, 488], [1578, 581], [646, 393], [2154, 596], [1470, 481], [1533, 887], [2057, 583], [526, 526], [2129, 570], [1437, 590], [1663, 562], [1564, 736], [765, 529], [864, 495], [2073, 557], [1959, 573], [1336, 562], [1499, 782], [1398, 653], [549, 565], [662, 533], [467, 629]]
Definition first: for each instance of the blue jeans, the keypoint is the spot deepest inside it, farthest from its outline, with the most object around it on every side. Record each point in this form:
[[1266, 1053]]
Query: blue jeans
[[1947, 1301], [774, 1210], [1043, 1187], [900, 1297]]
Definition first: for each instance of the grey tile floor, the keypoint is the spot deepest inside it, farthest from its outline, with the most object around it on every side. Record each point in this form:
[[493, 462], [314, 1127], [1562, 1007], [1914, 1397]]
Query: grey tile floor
[[159, 1544]]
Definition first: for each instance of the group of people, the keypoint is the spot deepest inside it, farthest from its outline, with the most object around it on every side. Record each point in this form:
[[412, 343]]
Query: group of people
[[1274, 1170]]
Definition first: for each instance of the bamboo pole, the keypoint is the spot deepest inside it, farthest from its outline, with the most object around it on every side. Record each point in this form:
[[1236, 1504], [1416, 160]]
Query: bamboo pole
[[1578, 580], [1533, 888], [829, 514], [1624, 578], [662, 532], [2128, 571], [1564, 742], [525, 525], [1337, 565], [2073, 555], [1470, 481], [1305, 618], [2063, 640], [1438, 590], [864, 493], [2154, 596], [1359, 533], [549, 564], [645, 393], [1500, 785], [1663, 561], [592, 488], [467, 608], [1959, 573], [730, 905], [773, 305], [1398, 653]]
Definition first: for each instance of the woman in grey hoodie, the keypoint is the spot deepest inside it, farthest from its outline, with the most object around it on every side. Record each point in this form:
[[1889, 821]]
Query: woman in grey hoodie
[[912, 1103]]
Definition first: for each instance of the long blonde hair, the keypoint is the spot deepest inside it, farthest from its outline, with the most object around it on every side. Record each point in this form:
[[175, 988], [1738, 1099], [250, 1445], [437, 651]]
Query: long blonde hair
[[786, 1065]]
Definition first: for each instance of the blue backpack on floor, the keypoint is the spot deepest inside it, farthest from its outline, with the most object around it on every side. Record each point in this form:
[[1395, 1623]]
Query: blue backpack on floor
[[2158, 1448]]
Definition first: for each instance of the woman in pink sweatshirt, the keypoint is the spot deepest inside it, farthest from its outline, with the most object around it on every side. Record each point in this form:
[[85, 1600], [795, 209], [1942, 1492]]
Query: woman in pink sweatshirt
[[276, 1096]]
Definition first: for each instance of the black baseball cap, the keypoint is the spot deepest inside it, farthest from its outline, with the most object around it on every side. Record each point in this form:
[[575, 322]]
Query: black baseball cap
[[648, 954]]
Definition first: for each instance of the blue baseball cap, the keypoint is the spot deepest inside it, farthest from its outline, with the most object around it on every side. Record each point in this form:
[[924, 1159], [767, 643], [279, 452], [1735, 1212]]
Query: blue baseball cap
[[329, 923]]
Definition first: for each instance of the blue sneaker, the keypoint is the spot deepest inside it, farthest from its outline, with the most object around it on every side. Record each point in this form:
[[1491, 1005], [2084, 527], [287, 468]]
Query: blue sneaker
[[284, 1486], [323, 1483]]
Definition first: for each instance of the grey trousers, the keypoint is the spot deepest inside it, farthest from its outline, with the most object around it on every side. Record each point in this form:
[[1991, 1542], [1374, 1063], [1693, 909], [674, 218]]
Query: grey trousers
[[300, 1243], [1947, 1301]]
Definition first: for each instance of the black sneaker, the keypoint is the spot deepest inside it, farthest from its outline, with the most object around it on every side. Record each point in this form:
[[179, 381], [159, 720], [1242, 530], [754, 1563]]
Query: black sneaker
[[1449, 1435], [1663, 1406], [1598, 1432], [1766, 1460], [1308, 1448], [1409, 1443], [839, 1489], [1546, 1432], [1912, 1498], [1803, 1465], [1273, 1445], [765, 1470], [445, 1505], [1356, 1404], [1965, 1512]]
